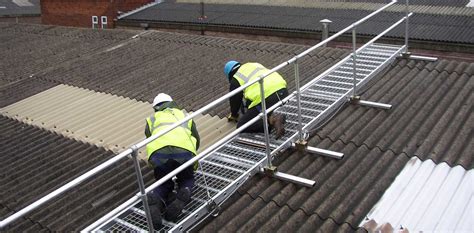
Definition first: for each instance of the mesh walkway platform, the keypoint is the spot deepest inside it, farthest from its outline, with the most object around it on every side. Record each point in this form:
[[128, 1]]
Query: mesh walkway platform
[[229, 166]]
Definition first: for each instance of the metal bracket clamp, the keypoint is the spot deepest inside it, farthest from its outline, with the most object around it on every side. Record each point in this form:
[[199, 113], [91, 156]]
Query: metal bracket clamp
[[269, 171], [354, 99], [301, 145], [406, 54]]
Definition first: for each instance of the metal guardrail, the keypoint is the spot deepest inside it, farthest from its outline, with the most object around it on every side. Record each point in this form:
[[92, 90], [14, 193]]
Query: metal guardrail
[[156, 2], [133, 150]]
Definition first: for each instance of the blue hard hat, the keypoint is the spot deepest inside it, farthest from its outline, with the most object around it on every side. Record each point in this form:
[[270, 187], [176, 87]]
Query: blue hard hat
[[229, 66]]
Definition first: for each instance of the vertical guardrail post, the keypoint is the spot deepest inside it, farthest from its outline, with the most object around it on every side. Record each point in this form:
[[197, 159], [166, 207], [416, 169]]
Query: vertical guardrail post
[[265, 127], [141, 185], [298, 99], [406, 26], [354, 62]]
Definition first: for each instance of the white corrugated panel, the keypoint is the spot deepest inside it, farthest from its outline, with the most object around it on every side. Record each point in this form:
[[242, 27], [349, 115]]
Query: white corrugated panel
[[429, 198]]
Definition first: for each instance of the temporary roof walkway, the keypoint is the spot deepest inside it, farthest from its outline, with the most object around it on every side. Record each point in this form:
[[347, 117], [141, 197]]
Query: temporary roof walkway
[[228, 167], [235, 158]]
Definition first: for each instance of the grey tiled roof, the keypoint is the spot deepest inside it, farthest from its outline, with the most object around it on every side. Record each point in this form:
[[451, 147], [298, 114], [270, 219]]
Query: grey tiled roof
[[423, 26], [24, 8], [431, 114]]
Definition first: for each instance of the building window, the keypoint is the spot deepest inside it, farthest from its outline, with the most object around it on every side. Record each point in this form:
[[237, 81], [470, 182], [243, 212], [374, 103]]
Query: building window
[[103, 21], [95, 22]]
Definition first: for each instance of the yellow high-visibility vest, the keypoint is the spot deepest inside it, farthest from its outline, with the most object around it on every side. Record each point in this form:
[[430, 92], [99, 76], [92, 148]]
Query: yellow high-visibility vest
[[251, 71], [180, 136]]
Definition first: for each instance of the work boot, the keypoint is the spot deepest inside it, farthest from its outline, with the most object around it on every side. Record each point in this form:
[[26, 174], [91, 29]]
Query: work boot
[[174, 209], [157, 207], [278, 122]]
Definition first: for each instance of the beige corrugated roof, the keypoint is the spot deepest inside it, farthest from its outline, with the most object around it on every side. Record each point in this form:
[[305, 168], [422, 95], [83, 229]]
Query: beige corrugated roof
[[338, 4], [101, 119]]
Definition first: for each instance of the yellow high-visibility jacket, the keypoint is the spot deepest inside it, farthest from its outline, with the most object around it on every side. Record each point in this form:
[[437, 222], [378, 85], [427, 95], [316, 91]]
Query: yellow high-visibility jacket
[[251, 71], [180, 136]]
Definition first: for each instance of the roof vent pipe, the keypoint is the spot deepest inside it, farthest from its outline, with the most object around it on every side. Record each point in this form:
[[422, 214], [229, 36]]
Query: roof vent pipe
[[325, 31]]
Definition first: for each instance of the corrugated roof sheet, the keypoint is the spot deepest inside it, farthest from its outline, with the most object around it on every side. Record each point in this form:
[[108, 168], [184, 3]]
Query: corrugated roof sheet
[[36, 162], [20, 8], [426, 197], [28, 49], [86, 116], [155, 61], [345, 191], [432, 115], [434, 26], [424, 95], [311, 3], [13, 91]]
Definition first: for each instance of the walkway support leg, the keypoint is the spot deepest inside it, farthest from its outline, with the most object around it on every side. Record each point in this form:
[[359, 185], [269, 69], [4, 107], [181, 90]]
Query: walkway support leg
[[355, 98], [269, 167], [141, 185]]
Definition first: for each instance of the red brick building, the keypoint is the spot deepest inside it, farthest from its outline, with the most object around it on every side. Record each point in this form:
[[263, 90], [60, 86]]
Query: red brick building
[[86, 13]]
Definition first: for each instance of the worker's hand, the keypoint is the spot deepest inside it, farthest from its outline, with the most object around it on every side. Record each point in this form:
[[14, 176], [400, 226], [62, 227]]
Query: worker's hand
[[230, 117]]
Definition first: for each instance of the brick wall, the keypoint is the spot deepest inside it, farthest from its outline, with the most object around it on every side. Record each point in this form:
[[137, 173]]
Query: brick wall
[[78, 13]]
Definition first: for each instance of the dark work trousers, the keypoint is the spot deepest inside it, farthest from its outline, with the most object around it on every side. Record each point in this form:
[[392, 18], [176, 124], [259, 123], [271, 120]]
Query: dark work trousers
[[251, 113], [164, 164]]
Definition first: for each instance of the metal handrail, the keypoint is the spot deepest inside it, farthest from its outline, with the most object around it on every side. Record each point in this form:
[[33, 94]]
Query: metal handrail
[[129, 151]]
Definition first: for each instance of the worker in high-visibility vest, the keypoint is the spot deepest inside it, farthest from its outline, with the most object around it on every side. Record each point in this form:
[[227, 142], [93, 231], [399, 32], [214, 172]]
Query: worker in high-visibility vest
[[167, 153], [274, 89]]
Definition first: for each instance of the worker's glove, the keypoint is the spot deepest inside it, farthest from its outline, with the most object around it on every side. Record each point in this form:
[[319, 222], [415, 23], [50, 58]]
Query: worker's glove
[[230, 117]]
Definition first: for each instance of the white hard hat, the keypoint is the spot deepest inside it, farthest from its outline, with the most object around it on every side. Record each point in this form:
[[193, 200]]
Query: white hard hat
[[160, 98]]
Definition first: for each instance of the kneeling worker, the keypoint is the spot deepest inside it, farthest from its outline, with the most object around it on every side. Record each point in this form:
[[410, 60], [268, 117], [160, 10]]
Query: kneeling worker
[[274, 88], [167, 153]]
